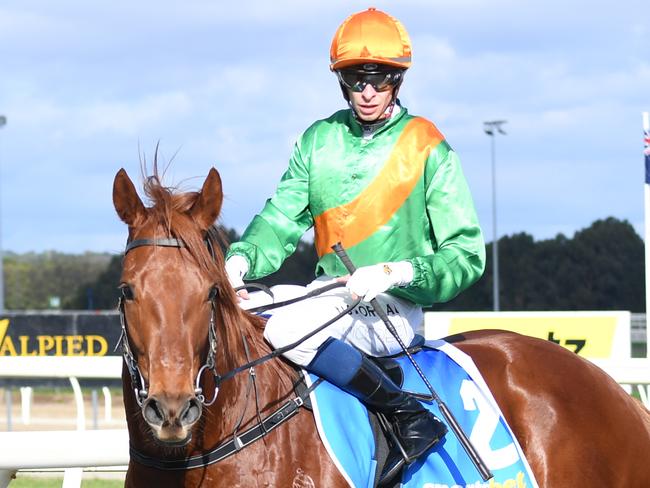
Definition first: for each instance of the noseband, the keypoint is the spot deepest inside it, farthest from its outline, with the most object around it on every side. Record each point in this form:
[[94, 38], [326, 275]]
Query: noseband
[[137, 380]]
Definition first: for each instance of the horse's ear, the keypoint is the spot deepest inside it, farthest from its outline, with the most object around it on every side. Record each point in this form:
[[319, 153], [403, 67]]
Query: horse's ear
[[208, 204], [126, 200]]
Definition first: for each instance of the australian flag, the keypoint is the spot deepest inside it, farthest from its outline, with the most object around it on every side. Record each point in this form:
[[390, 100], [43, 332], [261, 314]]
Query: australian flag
[[646, 151]]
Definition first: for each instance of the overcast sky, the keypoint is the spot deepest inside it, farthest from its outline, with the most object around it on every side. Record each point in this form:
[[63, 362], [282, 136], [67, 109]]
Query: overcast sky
[[89, 87]]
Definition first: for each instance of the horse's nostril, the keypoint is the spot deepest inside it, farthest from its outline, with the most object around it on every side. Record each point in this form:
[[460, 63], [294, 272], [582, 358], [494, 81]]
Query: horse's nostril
[[191, 413], [152, 412]]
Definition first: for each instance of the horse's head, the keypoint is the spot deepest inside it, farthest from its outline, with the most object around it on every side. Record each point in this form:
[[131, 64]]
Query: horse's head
[[172, 272]]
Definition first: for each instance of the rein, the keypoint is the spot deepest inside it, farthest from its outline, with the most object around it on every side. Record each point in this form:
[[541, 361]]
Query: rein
[[281, 350], [264, 426]]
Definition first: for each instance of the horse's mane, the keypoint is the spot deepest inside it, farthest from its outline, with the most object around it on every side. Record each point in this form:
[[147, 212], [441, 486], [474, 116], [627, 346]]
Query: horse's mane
[[169, 213]]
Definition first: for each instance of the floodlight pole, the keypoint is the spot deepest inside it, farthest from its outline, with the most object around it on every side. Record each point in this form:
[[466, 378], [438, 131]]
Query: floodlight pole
[[646, 153], [490, 128], [3, 122]]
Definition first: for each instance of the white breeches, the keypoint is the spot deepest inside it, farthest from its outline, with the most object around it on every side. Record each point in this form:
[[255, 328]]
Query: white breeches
[[361, 327]]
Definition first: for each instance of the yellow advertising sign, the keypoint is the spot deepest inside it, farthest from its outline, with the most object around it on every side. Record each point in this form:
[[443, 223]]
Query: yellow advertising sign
[[589, 334], [4, 325], [51, 345]]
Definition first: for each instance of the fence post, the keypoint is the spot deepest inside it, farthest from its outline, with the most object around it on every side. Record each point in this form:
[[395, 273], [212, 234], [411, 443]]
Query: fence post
[[9, 407], [72, 476], [108, 404], [95, 408], [45, 449], [26, 393], [6, 475]]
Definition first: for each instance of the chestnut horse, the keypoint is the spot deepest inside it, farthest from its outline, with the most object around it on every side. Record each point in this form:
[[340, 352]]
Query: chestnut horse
[[181, 322]]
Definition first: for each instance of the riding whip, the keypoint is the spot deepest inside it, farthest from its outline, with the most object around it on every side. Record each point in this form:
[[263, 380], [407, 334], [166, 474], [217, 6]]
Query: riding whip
[[471, 451]]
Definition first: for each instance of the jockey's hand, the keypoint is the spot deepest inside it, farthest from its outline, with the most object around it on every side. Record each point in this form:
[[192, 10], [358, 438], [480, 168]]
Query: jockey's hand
[[236, 269], [369, 281]]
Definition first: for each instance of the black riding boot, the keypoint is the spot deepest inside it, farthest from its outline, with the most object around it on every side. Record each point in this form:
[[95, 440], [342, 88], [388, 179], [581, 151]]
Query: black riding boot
[[416, 428]]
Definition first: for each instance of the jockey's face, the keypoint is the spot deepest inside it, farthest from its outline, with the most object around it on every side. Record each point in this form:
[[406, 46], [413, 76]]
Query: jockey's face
[[370, 104]]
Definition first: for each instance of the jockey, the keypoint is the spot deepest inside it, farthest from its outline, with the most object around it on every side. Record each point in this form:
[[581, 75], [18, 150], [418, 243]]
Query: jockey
[[388, 186]]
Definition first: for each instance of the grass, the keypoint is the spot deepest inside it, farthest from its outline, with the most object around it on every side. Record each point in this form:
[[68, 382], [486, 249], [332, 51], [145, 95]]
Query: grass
[[33, 482]]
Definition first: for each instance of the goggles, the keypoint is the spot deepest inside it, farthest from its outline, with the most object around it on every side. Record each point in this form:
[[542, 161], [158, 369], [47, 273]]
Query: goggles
[[357, 79]]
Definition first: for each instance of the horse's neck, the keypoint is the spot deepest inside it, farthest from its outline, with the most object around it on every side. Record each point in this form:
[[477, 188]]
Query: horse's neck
[[252, 392], [272, 377]]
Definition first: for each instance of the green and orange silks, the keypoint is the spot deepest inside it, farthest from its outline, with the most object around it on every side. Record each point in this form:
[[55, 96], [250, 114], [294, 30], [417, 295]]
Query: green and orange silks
[[400, 195]]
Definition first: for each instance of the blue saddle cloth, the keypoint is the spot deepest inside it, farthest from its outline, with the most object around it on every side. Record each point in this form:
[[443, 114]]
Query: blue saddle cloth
[[346, 432]]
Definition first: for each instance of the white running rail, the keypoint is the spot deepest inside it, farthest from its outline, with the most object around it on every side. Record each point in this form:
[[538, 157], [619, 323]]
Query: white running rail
[[99, 448], [73, 449], [629, 373]]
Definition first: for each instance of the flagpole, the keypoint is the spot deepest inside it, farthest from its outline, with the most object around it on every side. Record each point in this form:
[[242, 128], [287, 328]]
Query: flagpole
[[646, 151]]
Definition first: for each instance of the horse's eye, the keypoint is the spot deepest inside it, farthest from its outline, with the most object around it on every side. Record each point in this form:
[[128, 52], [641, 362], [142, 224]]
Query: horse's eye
[[214, 293], [127, 291]]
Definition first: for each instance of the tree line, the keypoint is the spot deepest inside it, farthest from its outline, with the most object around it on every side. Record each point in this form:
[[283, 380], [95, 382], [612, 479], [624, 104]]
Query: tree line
[[600, 268]]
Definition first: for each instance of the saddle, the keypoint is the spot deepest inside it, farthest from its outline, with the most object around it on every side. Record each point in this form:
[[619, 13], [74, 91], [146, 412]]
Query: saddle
[[356, 441], [379, 426]]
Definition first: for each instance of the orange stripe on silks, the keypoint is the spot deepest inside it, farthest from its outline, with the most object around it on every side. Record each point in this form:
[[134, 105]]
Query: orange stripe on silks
[[357, 220]]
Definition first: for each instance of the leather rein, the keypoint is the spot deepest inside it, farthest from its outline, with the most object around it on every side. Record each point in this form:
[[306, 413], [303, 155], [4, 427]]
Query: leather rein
[[263, 426]]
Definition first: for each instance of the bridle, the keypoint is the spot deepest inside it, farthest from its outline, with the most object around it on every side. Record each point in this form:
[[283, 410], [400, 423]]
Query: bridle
[[137, 380], [238, 441]]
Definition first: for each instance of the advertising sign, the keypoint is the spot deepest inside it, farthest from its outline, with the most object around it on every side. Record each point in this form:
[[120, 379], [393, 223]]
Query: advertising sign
[[593, 335], [59, 334]]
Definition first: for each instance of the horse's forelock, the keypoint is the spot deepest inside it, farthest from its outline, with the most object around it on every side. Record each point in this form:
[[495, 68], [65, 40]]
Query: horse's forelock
[[169, 212]]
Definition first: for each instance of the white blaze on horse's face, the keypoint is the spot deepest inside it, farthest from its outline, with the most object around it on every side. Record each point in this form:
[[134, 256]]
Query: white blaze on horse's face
[[167, 311]]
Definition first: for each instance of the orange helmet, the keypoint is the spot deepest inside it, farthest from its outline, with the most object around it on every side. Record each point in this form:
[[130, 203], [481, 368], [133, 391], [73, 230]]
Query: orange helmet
[[371, 36]]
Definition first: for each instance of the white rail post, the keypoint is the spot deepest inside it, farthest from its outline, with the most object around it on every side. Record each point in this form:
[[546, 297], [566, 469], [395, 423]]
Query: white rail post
[[9, 408], [61, 449], [643, 394], [79, 401], [6, 475], [26, 393], [108, 404], [72, 476], [95, 408]]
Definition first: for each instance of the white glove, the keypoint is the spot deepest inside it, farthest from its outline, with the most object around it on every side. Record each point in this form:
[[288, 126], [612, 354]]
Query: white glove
[[236, 269], [369, 281]]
